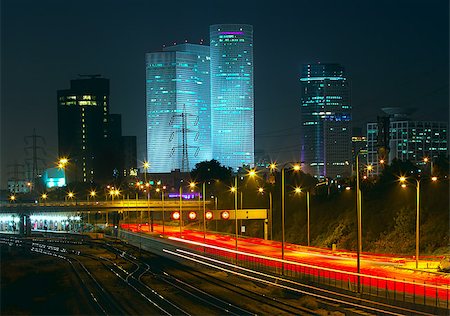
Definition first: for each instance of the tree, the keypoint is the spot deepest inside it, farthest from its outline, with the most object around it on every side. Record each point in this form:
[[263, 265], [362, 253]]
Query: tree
[[206, 171]]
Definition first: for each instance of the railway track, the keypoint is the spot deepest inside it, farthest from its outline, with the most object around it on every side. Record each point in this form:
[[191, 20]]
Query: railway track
[[170, 288]]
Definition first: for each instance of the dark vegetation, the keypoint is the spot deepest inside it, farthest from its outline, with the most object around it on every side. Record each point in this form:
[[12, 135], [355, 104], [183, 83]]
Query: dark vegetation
[[388, 210]]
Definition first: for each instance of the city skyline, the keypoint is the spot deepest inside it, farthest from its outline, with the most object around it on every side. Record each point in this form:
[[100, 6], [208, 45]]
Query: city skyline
[[410, 69]]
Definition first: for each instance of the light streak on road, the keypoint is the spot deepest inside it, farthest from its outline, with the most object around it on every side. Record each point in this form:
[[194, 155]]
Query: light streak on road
[[277, 279]]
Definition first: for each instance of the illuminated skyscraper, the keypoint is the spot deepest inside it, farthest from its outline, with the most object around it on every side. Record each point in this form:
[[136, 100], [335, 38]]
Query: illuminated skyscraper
[[178, 107], [326, 130], [232, 103]]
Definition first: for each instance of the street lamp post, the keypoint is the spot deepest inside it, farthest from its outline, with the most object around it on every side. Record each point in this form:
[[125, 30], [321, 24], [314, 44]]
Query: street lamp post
[[359, 225], [181, 210], [235, 214], [44, 196], [298, 191], [261, 190], [296, 167], [403, 181], [204, 214]]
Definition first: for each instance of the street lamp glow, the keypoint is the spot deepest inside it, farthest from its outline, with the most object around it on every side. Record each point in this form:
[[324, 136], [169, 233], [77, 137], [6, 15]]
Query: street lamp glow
[[260, 190], [369, 167], [44, 196], [252, 173], [157, 189], [298, 190], [273, 166], [146, 165], [70, 195], [296, 167], [425, 159], [381, 161], [92, 193], [12, 197], [403, 185], [434, 178], [116, 192], [402, 179], [233, 189], [192, 185]]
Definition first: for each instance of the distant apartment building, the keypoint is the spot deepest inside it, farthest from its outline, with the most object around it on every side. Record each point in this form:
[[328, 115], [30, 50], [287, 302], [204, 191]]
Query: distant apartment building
[[232, 94], [178, 107], [326, 121], [407, 139]]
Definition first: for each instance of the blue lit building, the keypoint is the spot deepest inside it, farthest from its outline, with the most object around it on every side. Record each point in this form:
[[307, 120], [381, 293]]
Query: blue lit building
[[232, 101], [326, 121], [178, 107]]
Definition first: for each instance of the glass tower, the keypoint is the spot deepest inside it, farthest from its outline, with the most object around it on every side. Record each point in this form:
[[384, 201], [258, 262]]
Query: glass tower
[[232, 102], [326, 131], [178, 107]]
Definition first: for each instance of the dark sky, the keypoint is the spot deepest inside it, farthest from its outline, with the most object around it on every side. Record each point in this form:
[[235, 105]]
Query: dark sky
[[396, 53]]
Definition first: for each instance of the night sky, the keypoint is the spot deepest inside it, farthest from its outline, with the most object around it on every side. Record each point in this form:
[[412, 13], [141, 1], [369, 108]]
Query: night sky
[[396, 53]]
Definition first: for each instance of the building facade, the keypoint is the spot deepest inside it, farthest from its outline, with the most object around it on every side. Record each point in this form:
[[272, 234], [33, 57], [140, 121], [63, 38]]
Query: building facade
[[232, 96], [407, 139], [326, 121], [83, 113], [178, 107]]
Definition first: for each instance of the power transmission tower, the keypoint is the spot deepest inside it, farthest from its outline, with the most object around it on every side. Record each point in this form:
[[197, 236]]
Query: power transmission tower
[[184, 132], [34, 148]]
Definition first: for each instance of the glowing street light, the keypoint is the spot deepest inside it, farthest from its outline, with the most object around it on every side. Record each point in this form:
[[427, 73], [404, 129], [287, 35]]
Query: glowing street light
[[403, 182], [296, 167], [298, 190], [12, 198]]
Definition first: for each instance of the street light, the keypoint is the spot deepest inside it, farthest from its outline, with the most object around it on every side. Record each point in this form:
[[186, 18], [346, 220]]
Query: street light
[[295, 167], [359, 224], [162, 200], [44, 197], [12, 198], [403, 181], [91, 194], [192, 185], [261, 191], [298, 190], [70, 195]]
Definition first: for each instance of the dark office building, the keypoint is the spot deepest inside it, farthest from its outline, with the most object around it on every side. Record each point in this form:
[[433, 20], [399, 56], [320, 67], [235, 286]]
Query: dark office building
[[83, 114], [129, 156], [326, 126]]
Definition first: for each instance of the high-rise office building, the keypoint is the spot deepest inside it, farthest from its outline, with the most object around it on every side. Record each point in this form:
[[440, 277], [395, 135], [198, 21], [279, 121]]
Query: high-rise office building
[[83, 113], [326, 126], [407, 139], [89, 136], [178, 107], [232, 100]]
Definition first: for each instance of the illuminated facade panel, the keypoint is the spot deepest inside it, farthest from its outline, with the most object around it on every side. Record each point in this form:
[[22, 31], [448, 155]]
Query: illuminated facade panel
[[232, 98], [178, 107], [326, 121]]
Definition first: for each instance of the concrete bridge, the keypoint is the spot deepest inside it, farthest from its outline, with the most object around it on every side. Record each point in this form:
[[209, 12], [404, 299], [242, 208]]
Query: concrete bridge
[[108, 206], [115, 212]]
